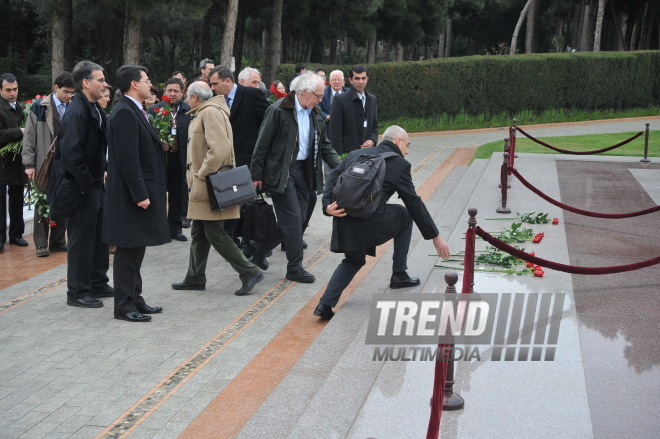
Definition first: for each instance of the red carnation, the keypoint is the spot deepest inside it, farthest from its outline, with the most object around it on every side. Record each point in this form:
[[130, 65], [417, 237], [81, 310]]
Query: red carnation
[[28, 101], [539, 273], [165, 98], [529, 264], [555, 221], [537, 239], [52, 224], [532, 254], [38, 97], [157, 110], [165, 112]]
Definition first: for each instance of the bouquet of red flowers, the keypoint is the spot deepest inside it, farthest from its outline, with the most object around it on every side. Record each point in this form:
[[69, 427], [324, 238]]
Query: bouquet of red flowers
[[162, 122], [16, 147]]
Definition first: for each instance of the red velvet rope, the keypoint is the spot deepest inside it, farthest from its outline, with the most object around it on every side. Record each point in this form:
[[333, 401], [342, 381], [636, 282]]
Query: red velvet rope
[[529, 186], [565, 151], [562, 267], [439, 379], [468, 261]]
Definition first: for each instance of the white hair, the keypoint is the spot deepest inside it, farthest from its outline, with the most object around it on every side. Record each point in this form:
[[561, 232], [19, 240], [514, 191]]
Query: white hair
[[245, 73], [394, 131], [306, 82], [202, 94], [336, 71]]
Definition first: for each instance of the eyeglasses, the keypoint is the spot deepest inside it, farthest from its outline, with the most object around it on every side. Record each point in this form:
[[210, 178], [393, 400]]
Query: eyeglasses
[[101, 80], [148, 81], [407, 144], [69, 93], [320, 98]]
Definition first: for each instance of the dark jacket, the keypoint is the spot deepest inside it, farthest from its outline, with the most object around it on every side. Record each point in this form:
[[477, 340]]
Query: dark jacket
[[325, 103], [182, 123], [350, 234], [79, 152], [11, 169], [278, 139], [247, 112], [136, 171], [347, 130]]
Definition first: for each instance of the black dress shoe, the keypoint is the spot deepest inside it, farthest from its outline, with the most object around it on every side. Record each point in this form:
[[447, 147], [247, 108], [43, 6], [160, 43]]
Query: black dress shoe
[[301, 276], [399, 281], [188, 286], [18, 241], [180, 237], [85, 302], [185, 223], [106, 291], [304, 244], [260, 261], [146, 309], [324, 311], [134, 316], [2, 246], [247, 286]]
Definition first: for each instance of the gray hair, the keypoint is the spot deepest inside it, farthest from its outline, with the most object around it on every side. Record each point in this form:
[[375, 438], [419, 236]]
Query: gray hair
[[204, 62], [202, 94], [394, 131], [83, 70], [245, 73], [305, 82]]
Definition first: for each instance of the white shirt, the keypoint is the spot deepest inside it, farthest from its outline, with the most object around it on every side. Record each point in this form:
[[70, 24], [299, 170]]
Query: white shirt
[[303, 130]]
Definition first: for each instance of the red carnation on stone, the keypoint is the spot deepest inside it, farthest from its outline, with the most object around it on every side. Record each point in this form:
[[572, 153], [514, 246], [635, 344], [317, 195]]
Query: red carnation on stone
[[539, 273], [555, 221]]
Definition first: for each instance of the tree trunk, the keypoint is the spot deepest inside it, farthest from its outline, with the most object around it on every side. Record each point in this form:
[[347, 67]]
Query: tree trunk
[[645, 25], [530, 37], [514, 39], [576, 26], [240, 34], [276, 39], [68, 36], [590, 26], [57, 36], [308, 52], [448, 39], [266, 70], [441, 45], [371, 48], [635, 34], [649, 34], [599, 25], [229, 34], [206, 37], [333, 50], [132, 35], [621, 24]]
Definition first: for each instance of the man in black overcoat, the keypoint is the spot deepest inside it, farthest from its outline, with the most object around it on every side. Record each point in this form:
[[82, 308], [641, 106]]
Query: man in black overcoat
[[354, 123], [76, 188], [135, 207], [357, 238], [176, 157]]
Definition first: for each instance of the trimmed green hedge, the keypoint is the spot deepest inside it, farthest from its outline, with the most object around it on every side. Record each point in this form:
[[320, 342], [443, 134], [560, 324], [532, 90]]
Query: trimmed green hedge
[[495, 84]]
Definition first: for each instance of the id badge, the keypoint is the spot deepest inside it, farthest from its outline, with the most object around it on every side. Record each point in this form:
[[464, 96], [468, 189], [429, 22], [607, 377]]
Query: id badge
[[173, 131], [365, 123]]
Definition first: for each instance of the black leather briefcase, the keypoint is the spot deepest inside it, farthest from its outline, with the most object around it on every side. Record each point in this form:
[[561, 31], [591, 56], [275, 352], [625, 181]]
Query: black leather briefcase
[[230, 188]]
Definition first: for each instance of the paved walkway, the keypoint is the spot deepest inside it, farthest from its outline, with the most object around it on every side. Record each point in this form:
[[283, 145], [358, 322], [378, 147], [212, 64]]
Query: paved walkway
[[212, 364]]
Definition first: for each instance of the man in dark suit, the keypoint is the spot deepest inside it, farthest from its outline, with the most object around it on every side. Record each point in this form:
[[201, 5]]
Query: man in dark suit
[[135, 207], [335, 88], [247, 106], [176, 157], [77, 180], [353, 115], [357, 238]]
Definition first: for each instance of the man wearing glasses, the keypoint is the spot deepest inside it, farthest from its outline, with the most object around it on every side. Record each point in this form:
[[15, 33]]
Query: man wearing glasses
[[76, 188], [287, 162], [41, 128]]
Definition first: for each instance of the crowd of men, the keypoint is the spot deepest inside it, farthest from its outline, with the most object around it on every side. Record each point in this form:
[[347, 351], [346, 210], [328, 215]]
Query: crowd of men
[[115, 182]]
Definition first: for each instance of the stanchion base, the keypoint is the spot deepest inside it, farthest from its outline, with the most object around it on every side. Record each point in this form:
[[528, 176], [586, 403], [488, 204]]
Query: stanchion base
[[453, 402], [508, 185], [503, 210], [645, 161]]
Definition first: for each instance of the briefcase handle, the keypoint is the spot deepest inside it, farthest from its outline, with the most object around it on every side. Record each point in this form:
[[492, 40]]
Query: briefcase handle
[[222, 168]]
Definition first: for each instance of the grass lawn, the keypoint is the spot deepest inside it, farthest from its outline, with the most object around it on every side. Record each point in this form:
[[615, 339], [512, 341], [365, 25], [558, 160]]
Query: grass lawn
[[585, 142]]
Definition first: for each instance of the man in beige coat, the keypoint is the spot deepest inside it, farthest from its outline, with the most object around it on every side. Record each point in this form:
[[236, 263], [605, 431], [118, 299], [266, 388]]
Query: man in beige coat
[[209, 148]]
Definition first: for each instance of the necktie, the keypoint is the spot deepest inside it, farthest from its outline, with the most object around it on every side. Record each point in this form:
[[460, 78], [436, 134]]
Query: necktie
[[363, 103], [13, 105], [333, 96], [61, 109], [228, 99], [145, 114]]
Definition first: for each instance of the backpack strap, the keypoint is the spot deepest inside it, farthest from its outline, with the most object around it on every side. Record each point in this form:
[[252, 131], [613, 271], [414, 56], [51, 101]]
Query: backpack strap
[[387, 155]]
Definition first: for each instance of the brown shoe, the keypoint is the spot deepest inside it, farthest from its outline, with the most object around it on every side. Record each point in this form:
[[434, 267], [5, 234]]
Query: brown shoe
[[42, 251]]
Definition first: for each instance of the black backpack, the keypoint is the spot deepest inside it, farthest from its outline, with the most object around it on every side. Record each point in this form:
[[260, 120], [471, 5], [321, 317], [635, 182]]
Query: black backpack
[[358, 189]]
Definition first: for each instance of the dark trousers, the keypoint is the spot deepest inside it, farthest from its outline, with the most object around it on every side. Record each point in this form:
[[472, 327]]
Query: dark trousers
[[127, 279], [87, 256], [16, 223], [46, 236], [175, 196], [354, 260], [212, 233], [184, 197], [291, 210], [311, 204]]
